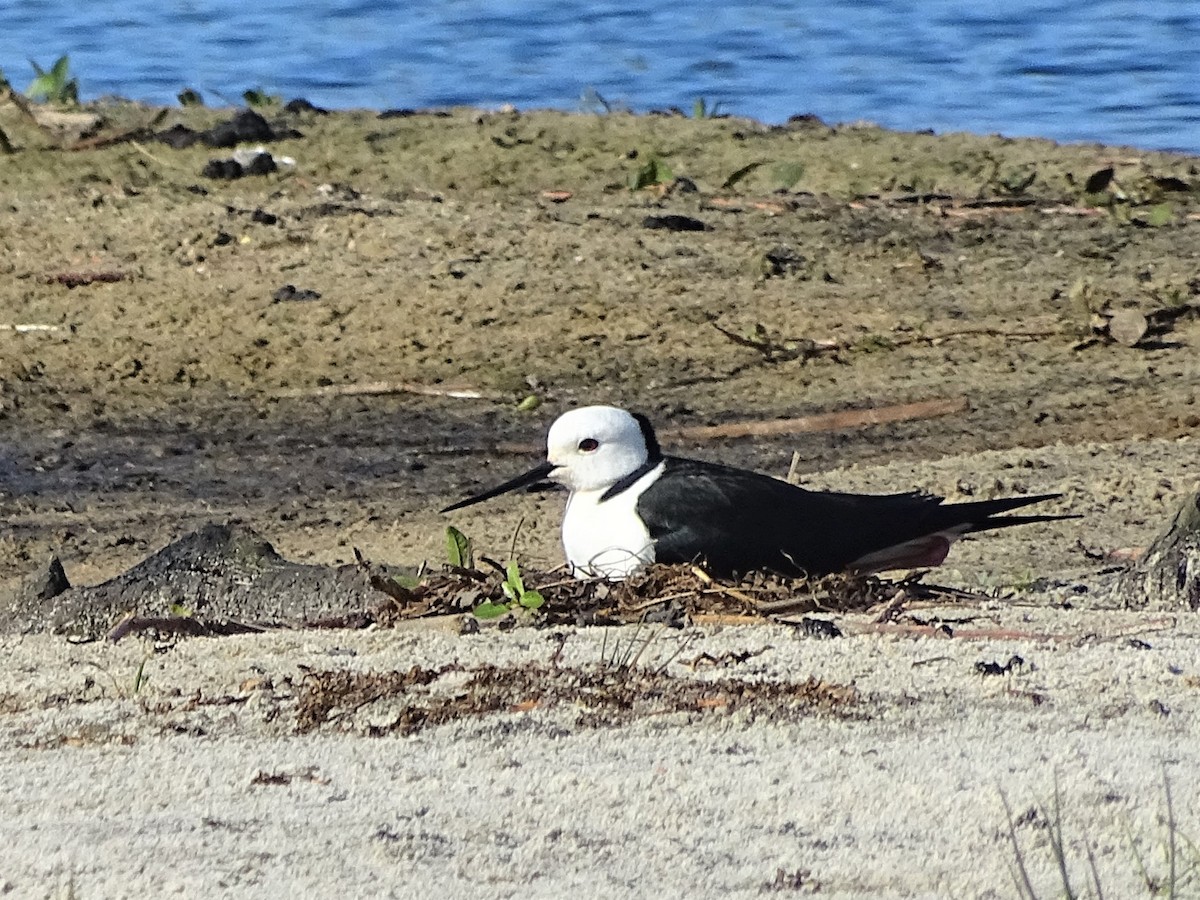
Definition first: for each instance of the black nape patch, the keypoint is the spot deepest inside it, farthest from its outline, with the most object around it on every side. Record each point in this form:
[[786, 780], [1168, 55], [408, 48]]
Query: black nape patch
[[654, 456], [653, 451]]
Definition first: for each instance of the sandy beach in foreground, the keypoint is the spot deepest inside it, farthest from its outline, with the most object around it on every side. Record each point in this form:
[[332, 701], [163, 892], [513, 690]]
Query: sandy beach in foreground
[[198, 783]]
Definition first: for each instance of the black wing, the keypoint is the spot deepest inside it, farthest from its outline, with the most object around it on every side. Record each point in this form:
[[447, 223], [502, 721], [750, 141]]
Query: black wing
[[736, 521]]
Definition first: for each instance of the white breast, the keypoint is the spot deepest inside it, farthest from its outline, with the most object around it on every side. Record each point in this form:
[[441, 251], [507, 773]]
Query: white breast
[[607, 539]]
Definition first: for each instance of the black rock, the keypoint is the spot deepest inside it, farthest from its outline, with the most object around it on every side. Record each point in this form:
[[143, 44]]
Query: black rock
[[227, 169], [291, 293], [178, 136], [246, 127], [300, 105], [262, 164], [674, 223]]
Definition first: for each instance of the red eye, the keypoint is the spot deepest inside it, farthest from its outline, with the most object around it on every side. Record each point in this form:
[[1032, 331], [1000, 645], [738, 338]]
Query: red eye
[[587, 445]]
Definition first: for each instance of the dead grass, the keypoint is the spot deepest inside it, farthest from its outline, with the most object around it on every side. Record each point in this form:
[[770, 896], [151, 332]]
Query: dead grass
[[381, 703], [667, 594]]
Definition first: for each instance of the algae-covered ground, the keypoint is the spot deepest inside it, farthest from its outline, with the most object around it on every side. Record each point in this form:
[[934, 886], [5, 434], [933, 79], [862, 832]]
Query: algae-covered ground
[[506, 252]]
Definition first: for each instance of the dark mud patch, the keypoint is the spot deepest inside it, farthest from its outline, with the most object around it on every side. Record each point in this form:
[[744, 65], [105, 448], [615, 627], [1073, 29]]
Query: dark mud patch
[[505, 252]]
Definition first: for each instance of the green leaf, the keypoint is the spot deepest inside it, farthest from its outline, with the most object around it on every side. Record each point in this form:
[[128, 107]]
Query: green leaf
[[140, 677], [180, 611], [787, 174], [458, 549], [1159, 215], [490, 610], [259, 97], [532, 600], [509, 592], [530, 403], [42, 87], [408, 582], [55, 85], [655, 171], [514, 578]]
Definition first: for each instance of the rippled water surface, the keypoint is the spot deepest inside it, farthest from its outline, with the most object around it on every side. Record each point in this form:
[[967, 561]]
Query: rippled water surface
[[1117, 71]]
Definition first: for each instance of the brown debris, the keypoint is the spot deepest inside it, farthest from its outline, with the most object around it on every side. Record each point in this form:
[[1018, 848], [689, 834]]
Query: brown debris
[[671, 595], [180, 626], [605, 694], [82, 279]]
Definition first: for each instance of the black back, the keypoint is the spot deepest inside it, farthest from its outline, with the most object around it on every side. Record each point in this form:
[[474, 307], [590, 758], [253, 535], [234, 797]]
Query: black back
[[734, 520]]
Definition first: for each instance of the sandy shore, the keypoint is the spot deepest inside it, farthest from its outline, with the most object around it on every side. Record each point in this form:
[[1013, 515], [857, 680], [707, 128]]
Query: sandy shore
[[199, 784]]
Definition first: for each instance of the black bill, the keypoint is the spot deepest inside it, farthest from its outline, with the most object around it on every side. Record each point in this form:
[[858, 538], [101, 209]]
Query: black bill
[[530, 477]]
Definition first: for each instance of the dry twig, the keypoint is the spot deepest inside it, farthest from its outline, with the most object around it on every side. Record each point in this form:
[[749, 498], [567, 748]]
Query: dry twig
[[834, 421], [375, 388]]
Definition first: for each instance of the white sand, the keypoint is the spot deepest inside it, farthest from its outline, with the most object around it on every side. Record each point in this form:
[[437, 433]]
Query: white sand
[[108, 794]]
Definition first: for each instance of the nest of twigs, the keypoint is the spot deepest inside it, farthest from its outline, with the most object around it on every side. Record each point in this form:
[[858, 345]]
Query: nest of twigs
[[672, 595]]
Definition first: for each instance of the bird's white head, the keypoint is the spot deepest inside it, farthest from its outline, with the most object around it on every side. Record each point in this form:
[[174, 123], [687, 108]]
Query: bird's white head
[[588, 449], [594, 447]]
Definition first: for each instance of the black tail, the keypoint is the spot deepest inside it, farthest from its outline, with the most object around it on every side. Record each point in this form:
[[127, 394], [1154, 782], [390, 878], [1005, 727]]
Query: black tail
[[984, 515]]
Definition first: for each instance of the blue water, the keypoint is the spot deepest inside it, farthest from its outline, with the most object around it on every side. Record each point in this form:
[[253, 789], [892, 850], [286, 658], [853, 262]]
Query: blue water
[[1116, 71]]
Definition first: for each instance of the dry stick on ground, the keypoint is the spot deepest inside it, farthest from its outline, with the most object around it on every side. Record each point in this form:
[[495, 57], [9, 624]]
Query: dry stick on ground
[[793, 475], [835, 421], [741, 596], [785, 349], [390, 387], [11, 96], [512, 546], [83, 279]]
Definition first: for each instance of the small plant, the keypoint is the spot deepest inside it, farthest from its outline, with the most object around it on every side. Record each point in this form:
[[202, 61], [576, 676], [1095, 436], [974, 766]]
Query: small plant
[[529, 403], [1053, 819], [514, 589], [515, 595], [258, 97], [655, 172], [1025, 582], [592, 101], [786, 174], [459, 552], [701, 110], [55, 85], [1180, 855], [624, 659], [140, 677]]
